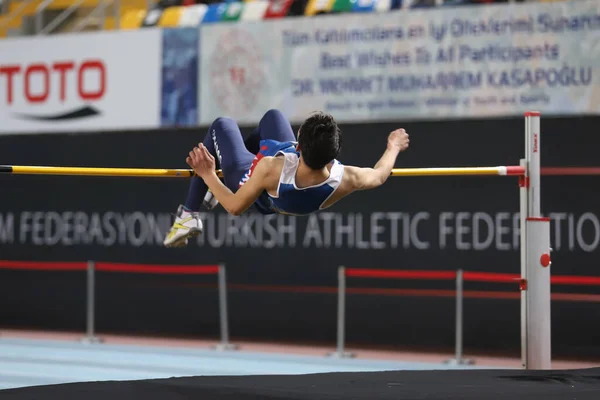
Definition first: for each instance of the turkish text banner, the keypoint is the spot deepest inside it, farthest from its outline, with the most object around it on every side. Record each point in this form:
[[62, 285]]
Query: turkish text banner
[[450, 62]]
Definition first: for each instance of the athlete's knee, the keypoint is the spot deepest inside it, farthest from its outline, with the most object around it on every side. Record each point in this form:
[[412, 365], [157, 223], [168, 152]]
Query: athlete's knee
[[273, 114], [222, 122]]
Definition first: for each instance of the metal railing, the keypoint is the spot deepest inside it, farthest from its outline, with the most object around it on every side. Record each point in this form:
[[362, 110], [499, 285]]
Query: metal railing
[[459, 276], [458, 327], [343, 272], [341, 318], [9, 17], [40, 29], [219, 270], [91, 267], [99, 11]]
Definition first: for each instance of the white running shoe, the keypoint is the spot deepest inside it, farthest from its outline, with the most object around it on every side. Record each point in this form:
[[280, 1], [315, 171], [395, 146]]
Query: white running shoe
[[187, 224]]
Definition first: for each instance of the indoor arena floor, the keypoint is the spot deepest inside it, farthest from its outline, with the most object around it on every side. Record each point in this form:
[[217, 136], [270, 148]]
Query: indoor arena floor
[[36, 368], [27, 362]]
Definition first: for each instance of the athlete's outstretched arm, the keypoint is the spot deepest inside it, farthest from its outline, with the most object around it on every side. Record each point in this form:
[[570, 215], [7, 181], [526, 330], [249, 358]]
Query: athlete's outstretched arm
[[236, 203], [370, 178]]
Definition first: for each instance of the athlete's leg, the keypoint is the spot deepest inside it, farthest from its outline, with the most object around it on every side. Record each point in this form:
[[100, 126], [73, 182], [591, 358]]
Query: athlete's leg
[[273, 125], [224, 141]]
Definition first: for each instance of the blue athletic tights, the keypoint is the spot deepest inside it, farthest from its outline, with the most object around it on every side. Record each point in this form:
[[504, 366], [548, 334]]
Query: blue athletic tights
[[234, 156]]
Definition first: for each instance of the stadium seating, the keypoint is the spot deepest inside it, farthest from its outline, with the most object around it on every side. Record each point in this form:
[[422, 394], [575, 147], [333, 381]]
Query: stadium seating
[[132, 19], [233, 11], [278, 9], [254, 10], [189, 13], [171, 17], [193, 15], [18, 10]]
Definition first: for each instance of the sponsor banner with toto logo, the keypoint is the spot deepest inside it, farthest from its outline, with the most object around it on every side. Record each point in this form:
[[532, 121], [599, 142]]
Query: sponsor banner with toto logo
[[98, 81]]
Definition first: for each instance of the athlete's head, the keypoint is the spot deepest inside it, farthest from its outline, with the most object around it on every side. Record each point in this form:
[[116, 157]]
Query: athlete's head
[[319, 140]]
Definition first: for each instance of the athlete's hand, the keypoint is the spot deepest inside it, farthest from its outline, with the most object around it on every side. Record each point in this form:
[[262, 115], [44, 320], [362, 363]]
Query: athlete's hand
[[201, 161], [398, 140]]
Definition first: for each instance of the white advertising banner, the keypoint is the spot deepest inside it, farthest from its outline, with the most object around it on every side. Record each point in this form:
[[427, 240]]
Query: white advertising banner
[[84, 82], [476, 61]]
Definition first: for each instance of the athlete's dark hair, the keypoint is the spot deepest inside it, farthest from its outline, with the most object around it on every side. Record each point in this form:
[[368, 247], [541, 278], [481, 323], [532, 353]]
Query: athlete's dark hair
[[319, 140]]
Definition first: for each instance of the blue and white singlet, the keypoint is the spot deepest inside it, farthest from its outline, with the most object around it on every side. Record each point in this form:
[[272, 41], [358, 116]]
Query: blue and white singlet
[[291, 199]]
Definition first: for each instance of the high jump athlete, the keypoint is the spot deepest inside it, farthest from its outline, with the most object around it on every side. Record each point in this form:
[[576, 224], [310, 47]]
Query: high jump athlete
[[273, 171]]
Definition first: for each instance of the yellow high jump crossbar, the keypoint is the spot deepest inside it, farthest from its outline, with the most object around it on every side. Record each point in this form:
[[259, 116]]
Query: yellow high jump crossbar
[[187, 173]]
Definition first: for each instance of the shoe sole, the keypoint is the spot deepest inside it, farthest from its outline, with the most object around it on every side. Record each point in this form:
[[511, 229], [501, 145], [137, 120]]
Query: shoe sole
[[182, 241]]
